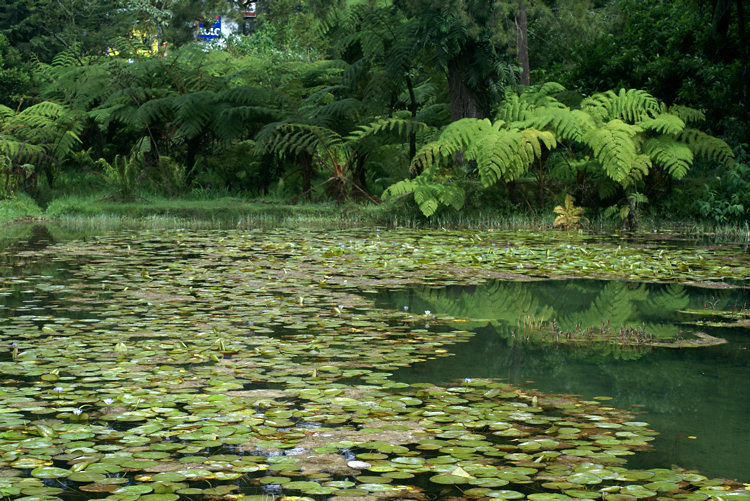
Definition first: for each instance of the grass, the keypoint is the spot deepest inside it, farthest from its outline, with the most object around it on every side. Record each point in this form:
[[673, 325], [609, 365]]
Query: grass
[[19, 207], [232, 211]]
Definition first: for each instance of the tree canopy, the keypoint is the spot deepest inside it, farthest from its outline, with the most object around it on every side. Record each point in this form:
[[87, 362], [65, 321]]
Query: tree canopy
[[453, 102]]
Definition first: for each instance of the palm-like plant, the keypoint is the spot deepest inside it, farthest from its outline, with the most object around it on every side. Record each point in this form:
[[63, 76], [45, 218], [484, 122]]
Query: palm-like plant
[[331, 152], [569, 215], [35, 140], [619, 136]]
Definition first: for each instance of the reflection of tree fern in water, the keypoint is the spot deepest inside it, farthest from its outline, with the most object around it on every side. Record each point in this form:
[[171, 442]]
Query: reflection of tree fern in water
[[666, 300], [614, 305], [495, 303]]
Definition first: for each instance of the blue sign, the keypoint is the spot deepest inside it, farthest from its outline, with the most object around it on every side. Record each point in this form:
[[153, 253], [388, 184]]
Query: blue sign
[[212, 33]]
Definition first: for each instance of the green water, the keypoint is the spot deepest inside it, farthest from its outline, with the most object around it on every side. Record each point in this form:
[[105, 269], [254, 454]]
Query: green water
[[278, 353], [696, 398]]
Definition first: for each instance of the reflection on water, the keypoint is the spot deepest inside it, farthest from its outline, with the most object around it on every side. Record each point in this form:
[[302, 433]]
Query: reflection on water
[[697, 398]]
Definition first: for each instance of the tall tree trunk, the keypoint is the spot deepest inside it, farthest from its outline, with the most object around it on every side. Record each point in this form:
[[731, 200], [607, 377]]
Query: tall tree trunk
[[464, 101], [306, 165], [720, 28], [522, 42], [743, 56], [413, 107]]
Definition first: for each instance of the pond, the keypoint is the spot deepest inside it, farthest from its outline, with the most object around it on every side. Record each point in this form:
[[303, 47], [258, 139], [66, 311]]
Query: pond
[[694, 397], [261, 363]]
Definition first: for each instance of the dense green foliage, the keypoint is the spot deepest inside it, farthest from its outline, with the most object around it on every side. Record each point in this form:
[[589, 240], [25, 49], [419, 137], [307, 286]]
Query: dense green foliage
[[363, 100]]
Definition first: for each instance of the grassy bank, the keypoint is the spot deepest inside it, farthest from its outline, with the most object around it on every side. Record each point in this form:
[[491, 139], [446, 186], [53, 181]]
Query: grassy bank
[[17, 208], [234, 211]]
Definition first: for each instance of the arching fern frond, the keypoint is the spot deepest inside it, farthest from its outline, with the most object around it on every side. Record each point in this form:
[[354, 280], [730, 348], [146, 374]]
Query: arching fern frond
[[672, 155], [514, 109], [194, 112], [687, 114], [428, 194], [458, 135], [613, 147], [639, 168], [65, 58], [428, 156], [665, 123], [566, 124], [401, 127], [292, 139], [632, 105], [336, 112], [156, 110], [233, 121], [707, 146]]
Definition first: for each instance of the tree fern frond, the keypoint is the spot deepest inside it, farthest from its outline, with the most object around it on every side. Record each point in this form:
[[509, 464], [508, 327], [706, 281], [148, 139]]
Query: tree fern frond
[[6, 112], [707, 146], [193, 112], [550, 88], [498, 156], [426, 198], [155, 110], [231, 122], [65, 58], [293, 139], [19, 150], [460, 134], [632, 105], [514, 109], [402, 128], [568, 125], [672, 155], [639, 168], [246, 95], [372, 44], [533, 140], [428, 194], [687, 114], [613, 147], [427, 157], [338, 112], [44, 110], [403, 187], [665, 123]]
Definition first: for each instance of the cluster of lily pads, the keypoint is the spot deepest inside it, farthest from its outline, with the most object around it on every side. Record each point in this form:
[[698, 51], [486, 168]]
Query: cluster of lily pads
[[248, 365]]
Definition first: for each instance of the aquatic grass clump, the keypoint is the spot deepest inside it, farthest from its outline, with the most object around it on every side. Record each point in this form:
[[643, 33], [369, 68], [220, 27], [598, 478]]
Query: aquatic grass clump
[[18, 207]]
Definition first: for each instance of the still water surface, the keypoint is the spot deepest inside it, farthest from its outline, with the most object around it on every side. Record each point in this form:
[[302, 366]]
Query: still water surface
[[696, 398]]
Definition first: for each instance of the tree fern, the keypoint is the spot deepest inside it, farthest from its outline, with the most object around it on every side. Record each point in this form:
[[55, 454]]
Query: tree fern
[[664, 123], [631, 105], [399, 126], [567, 125], [500, 154], [507, 154], [686, 114], [669, 153], [428, 156], [428, 194], [614, 148], [707, 146]]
